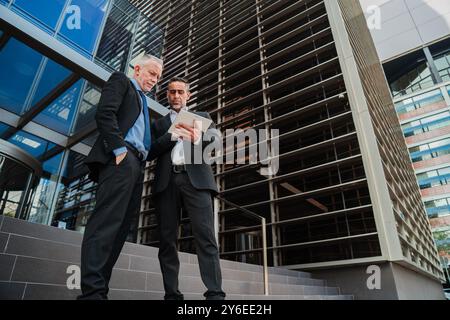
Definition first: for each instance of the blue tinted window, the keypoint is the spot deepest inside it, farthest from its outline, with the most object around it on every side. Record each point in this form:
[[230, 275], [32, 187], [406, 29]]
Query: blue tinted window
[[30, 143], [20, 62], [41, 210], [53, 75], [46, 11], [4, 1], [87, 108], [3, 128], [52, 165], [83, 21], [59, 115]]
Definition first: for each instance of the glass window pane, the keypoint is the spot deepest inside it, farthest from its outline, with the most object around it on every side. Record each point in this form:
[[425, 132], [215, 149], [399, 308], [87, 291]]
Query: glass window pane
[[425, 72], [45, 11], [440, 143], [90, 14], [76, 197], [114, 50], [46, 191], [88, 106], [444, 171], [59, 115], [22, 62], [52, 75], [14, 178], [30, 143], [441, 63], [3, 128]]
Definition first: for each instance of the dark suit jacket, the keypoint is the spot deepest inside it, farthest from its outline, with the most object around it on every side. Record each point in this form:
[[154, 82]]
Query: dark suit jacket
[[117, 111], [200, 175]]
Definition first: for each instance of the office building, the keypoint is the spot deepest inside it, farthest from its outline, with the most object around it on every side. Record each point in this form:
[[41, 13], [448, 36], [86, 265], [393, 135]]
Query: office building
[[414, 45], [345, 194]]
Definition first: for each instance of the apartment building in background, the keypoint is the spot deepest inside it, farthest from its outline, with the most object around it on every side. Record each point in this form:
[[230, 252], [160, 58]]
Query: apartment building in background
[[414, 46]]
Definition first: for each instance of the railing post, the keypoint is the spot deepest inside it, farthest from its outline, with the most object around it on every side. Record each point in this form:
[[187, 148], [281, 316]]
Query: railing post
[[264, 240], [264, 247]]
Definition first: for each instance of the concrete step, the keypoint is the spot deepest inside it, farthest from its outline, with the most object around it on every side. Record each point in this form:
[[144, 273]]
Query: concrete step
[[276, 297], [35, 291], [68, 253], [34, 260], [44, 271], [54, 238]]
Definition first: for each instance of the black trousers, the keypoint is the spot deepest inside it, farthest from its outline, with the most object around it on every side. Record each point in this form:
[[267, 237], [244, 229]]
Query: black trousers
[[198, 203], [118, 201]]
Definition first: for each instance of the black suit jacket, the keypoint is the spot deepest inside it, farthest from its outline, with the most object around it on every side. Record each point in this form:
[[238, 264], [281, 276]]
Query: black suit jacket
[[117, 111], [200, 175]]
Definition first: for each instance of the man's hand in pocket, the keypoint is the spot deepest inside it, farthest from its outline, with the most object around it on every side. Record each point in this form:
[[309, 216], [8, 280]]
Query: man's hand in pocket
[[120, 157]]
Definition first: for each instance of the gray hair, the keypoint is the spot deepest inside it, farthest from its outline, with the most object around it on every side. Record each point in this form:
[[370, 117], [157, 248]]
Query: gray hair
[[148, 57]]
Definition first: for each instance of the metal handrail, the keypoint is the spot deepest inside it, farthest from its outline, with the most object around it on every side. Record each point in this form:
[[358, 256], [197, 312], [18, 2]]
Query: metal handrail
[[264, 239]]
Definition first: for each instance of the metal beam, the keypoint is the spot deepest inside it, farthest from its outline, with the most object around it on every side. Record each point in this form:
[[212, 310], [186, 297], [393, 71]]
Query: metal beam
[[76, 138], [4, 40], [82, 134], [312, 201], [51, 153]]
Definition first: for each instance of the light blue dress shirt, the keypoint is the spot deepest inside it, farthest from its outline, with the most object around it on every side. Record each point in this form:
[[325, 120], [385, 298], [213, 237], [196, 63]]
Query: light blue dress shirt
[[135, 135]]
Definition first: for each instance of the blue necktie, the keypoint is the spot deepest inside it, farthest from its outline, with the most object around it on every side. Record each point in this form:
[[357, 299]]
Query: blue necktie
[[147, 133]]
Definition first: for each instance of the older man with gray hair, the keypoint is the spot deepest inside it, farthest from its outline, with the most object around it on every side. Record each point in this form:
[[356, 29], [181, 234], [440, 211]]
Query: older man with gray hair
[[117, 162]]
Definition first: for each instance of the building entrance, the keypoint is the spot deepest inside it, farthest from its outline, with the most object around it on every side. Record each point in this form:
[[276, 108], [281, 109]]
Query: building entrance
[[19, 176]]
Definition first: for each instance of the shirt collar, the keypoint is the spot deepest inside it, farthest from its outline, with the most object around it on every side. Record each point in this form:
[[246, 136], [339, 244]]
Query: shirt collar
[[173, 112], [136, 85]]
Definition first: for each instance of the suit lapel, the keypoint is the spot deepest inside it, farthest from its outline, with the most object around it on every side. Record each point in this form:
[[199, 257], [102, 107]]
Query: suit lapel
[[166, 123]]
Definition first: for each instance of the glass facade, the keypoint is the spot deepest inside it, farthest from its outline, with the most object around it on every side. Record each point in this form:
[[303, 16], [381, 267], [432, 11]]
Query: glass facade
[[425, 119], [417, 79], [427, 124], [419, 102], [55, 106], [409, 74], [14, 185], [85, 34], [23, 62], [47, 18], [430, 150], [434, 178]]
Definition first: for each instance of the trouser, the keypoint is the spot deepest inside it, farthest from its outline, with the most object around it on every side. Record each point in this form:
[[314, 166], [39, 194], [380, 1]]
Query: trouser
[[198, 203], [118, 201]]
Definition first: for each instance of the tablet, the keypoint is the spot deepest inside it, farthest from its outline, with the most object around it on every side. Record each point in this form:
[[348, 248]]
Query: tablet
[[188, 118]]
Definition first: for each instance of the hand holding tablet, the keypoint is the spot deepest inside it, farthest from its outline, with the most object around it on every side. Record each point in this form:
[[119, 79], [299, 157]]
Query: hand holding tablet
[[189, 119]]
